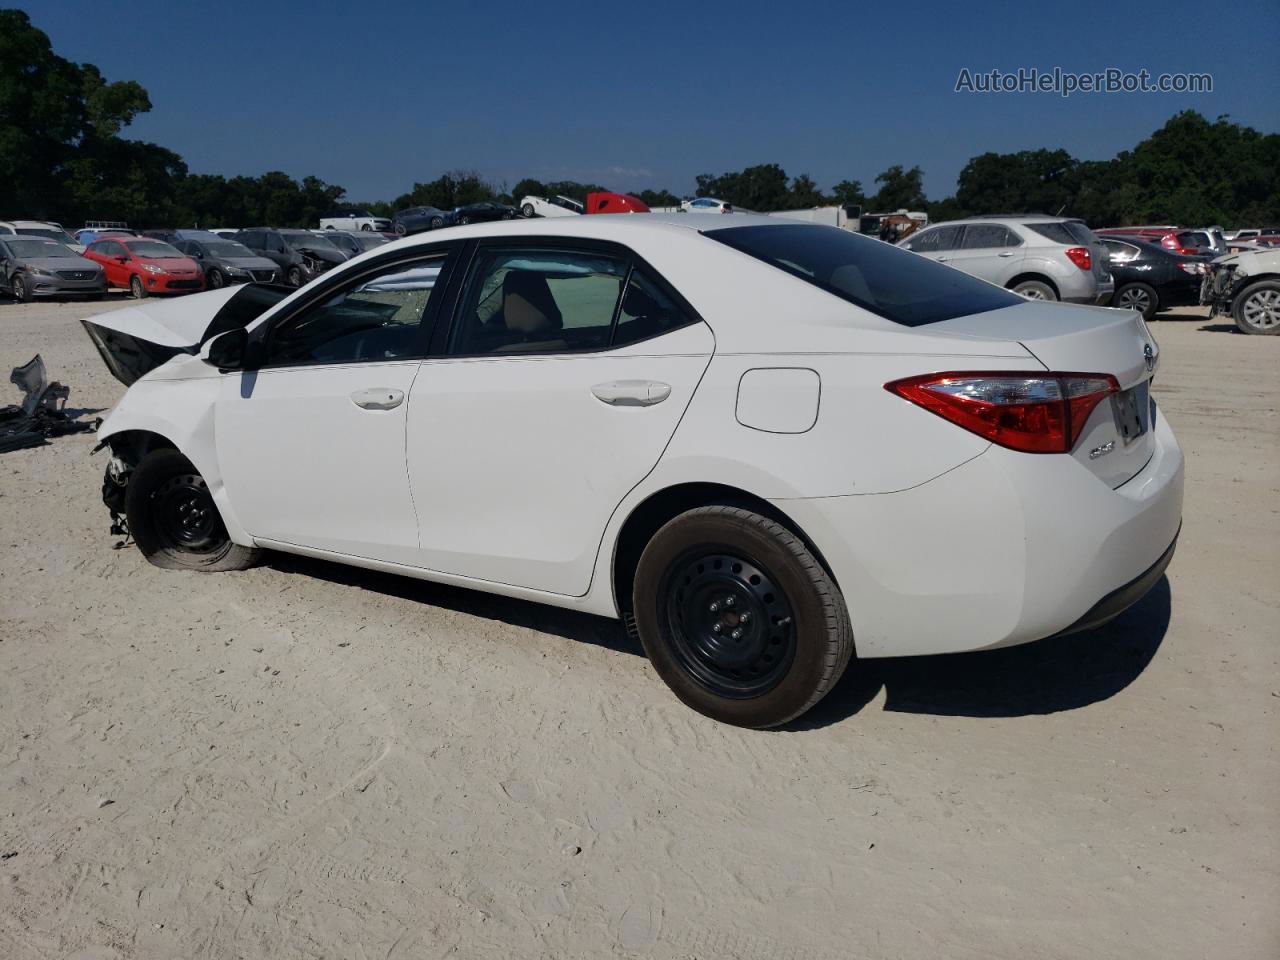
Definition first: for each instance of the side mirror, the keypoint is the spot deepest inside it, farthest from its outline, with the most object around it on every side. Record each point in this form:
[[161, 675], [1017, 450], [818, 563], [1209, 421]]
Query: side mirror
[[227, 351]]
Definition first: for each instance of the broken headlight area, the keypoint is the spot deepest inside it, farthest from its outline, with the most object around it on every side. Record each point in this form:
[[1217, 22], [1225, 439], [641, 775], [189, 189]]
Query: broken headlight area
[[42, 414]]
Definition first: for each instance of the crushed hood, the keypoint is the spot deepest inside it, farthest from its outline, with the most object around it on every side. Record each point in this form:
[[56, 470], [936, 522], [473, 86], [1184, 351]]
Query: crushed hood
[[134, 341]]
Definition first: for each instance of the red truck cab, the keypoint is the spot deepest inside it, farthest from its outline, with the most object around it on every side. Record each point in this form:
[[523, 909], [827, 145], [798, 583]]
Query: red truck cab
[[614, 203]]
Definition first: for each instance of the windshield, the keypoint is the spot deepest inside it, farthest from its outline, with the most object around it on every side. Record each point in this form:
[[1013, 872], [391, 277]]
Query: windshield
[[900, 286], [227, 248], [33, 248], [51, 233], [310, 240], [369, 242], [155, 250]]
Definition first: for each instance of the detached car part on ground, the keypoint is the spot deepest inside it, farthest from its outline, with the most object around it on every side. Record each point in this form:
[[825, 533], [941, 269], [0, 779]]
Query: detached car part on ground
[[1245, 286], [761, 444], [42, 413]]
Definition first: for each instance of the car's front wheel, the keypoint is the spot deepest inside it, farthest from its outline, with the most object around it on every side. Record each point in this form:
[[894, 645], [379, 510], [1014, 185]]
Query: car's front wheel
[[295, 277], [527, 209], [739, 618], [401, 229], [136, 289], [437, 223], [1257, 308], [21, 292], [174, 521], [217, 279], [1137, 296]]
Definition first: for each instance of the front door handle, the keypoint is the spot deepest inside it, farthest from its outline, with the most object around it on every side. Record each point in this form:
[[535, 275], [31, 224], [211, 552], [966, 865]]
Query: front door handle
[[1005, 253], [378, 398], [943, 259], [632, 393]]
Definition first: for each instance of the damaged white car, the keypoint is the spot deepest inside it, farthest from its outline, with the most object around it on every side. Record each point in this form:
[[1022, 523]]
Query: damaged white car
[[1245, 286], [762, 444]]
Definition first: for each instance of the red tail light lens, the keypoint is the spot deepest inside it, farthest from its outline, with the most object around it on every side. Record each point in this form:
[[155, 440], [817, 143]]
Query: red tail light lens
[[1031, 412], [1080, 256]]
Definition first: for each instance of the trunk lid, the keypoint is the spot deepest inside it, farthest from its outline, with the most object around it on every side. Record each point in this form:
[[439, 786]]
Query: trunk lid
[[1117, 440]]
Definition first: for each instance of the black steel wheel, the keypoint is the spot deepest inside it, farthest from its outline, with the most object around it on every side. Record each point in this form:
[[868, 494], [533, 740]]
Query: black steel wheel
[[174, 519], [738, 617], [731, 624]]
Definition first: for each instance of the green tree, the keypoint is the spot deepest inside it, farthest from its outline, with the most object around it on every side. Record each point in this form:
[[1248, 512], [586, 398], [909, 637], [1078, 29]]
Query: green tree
[[1032, 181], [899, 189], [849, 192]]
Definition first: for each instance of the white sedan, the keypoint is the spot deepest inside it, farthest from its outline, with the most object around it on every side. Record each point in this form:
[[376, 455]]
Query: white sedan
[[763, 445]]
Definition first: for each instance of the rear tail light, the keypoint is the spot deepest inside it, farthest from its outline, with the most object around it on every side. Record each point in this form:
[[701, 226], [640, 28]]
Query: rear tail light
[[1080, 256], [1031, 412]]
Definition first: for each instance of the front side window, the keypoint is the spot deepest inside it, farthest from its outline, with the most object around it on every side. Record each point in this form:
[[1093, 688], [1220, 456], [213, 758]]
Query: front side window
[[539, 301], [381, 317]]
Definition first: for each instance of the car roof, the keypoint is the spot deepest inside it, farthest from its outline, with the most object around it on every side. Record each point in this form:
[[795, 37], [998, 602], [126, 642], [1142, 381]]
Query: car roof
[[607, 226]]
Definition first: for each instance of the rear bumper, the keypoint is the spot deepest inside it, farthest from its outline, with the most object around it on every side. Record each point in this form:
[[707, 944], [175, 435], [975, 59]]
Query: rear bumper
[[1122, 598], [1005, 549]]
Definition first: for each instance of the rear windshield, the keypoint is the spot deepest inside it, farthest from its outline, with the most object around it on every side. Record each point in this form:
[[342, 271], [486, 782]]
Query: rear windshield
[[891, 283]]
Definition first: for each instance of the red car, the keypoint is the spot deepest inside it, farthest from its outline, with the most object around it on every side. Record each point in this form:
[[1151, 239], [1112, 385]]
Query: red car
[[144, 266], [1177, 240], [614, 203]]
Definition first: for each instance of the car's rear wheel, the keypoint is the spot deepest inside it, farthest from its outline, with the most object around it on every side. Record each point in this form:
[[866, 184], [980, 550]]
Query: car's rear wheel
[[1035, 290], [437, 223], [527, 209], [217, 279], [464, 220], [174, 521], [1257, 308], [739, 618], [1139, 297], [21, 292], [136, 288]]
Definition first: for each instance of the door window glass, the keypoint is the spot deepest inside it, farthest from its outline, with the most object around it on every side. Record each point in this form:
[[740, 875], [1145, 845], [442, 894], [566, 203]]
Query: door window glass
[[939, 238], [539, 301], [646, 311], [380, 318], [986, 235]]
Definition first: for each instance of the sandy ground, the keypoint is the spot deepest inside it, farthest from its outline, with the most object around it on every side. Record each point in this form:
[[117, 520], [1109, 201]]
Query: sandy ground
[[307, 760]]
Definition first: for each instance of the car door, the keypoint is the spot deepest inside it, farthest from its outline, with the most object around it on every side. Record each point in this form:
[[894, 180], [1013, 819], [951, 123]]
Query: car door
[[936, 243], [114, 260], [567, 368], [990, 251], [312, 444]]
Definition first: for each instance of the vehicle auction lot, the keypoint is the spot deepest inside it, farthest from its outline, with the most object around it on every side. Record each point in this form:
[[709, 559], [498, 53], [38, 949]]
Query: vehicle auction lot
[[310, 760]]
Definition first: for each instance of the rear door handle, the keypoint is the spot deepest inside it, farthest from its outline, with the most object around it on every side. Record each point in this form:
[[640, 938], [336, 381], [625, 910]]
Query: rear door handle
[[378, 398], [632, 393], [943, 259], [1005, 253]]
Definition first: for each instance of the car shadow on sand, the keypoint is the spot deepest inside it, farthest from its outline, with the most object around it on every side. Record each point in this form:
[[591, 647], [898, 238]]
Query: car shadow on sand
[[1219, 328], [1047, 676]]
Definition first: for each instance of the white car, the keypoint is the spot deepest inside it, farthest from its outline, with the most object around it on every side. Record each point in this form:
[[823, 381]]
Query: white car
[[556, 206], [762, 444], [355, 219], [41, 228], [706, 205]]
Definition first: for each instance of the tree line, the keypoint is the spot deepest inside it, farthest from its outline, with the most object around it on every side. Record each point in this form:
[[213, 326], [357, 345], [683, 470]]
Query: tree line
[[62, 158]]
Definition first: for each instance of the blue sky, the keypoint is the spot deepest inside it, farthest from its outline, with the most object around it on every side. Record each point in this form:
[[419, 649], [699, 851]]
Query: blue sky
[[374, 96]]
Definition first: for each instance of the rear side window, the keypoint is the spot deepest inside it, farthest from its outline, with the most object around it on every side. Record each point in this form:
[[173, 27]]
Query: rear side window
[[1081, 233], [983, 235], [1057, 232], [875, 276]]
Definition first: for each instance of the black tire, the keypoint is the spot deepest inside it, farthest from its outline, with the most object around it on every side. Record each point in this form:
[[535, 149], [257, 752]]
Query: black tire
[[174, 521], [367, 228], [1137, 296], [401, 229], [1034, 290], [295, 277], [464, 220], [136, 288], [697, 578], [1257, 308], [21, 292], [527, 209], [437, 223], [509, 215], [217, 280]]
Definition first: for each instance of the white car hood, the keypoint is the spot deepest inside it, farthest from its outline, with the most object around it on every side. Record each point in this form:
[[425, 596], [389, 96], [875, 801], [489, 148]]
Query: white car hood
[[177, 323]]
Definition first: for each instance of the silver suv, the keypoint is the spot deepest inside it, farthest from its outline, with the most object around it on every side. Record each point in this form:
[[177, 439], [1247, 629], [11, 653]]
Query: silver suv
[[1042, 258]]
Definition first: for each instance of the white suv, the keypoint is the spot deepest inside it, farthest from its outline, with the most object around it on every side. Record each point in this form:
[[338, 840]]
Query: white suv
[[1039, 257], [352, 219]]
